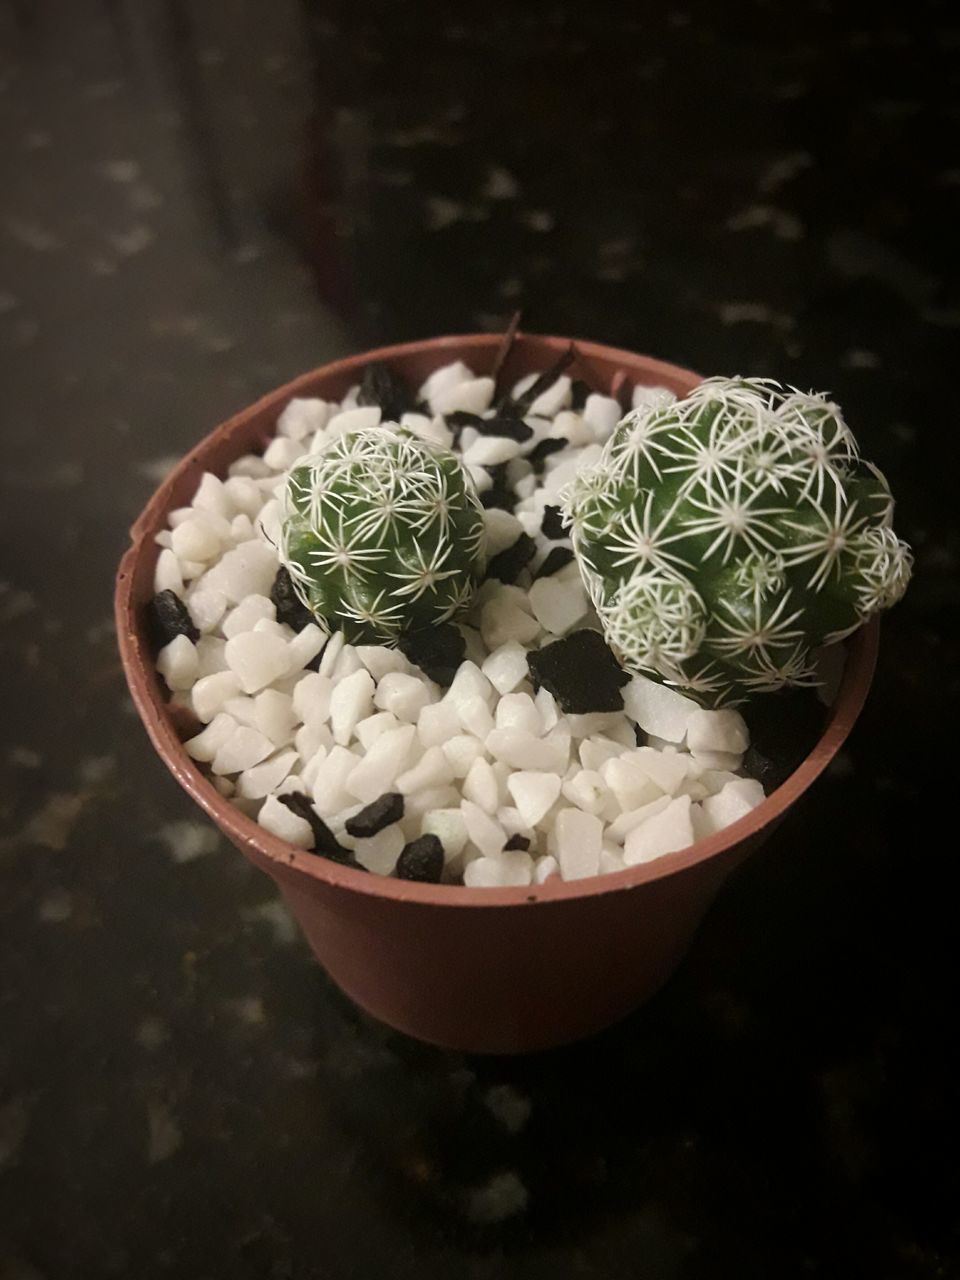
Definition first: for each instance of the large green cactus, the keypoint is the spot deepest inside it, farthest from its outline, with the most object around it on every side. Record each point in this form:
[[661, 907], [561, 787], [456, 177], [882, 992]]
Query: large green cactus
[[724, 536], [382, 533]]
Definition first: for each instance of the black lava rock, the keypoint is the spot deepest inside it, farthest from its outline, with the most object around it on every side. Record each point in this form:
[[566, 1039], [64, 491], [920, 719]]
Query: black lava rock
[[381, 386], [421, 859], [437, 652], [376, 815], [325, 842], [290, 608], [512, 428], [552, 525], [580, 672], [542, 450], [579, 390], [169, 618], [507, 564], [459, 419], [517, 842], [557, 559]]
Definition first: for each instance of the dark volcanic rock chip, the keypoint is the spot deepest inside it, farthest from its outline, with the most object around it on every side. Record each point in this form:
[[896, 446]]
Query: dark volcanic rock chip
[[580, 672], [421, 859], [325, 842], [381, 386], [558, 558], [507, 564], [552, 525], [169, 617], [437, 652], [378, 814], [290, 608]]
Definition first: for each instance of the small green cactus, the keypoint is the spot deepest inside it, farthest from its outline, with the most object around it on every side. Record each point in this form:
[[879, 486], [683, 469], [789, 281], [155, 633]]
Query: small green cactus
[[725, 536], [382, 533]]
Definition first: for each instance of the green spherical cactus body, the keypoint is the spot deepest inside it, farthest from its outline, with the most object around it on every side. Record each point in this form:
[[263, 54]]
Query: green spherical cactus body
[[725, 536], [382, 533]]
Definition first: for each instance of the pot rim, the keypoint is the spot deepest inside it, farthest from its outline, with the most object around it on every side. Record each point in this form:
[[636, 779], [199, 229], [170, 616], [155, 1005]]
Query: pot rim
[[271, 852]]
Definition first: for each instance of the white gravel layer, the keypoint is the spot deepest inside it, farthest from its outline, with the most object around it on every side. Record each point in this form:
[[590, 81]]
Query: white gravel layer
[[486, 763]]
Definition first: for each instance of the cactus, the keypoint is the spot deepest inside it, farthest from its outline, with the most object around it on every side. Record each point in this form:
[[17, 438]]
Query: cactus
[[724, 537], [382, 534]]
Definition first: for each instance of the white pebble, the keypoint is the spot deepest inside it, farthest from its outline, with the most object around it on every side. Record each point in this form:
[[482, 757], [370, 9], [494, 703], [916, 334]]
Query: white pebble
[[431, 770], [307, 643], [330, 790], [716, 760], [167, 575], [471, 396], [262, 779], [659, 397], [594, 752], [331, 654], [570, 426], [449, 828], [379, 853], [280, 454], [480, 785], [370, 729], [178, 663], [553, 399], [475, 717], [360, 419], [248, 569], [380, 661], [442, 379], [208, 742], [258, 659], [196, 540], [269, 523], [405, 696], [524, 751], [350, 702], [469, 682], [244, 748], [247, 614], [631, 785], [304, 417], [657, 709], [502, 620], [502, 871], [436, 723], [588, 791], [210, 693], [724, 731], [311, 697], [545, 869], [547, 709], [533, 793], [502, 529], [245, 495], [274, 716], [667, 769], [285, 824], [578, 837], [490, 451], [482, 830], [624, 823], [664, 833], [611, 860], [347, 663], [519, 711], [384, 762], [206, 608], [461, 751], [601, 413], [733, 802], [557, 605]]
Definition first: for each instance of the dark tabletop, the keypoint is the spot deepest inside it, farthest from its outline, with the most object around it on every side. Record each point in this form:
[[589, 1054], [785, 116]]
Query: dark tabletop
[[199, 201]]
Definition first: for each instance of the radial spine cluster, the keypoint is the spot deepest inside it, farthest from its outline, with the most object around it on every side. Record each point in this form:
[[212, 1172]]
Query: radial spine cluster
[[382, 534], [725, 536]]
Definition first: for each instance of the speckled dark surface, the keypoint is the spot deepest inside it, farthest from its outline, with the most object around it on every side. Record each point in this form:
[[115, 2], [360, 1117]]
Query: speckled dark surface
[[195, 211]]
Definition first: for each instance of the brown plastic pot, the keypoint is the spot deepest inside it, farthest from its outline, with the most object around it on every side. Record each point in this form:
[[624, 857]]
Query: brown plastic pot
[[485, 970]]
